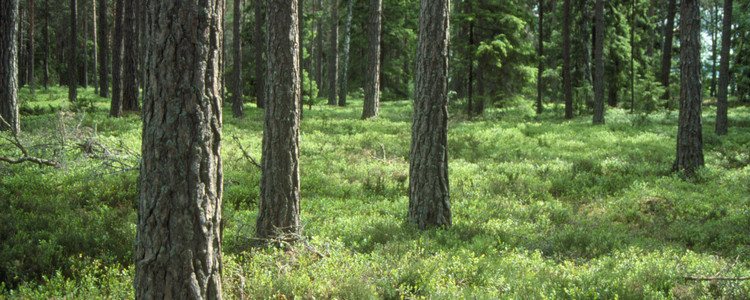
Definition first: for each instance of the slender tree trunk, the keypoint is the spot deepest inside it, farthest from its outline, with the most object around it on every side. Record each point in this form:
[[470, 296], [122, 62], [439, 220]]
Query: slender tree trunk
[[666, 53], [259, 49], [9, 66], [721, 96], [333, 56], [96, 46], [540, 70], [301, 57], [103, 42], [85, 68], [279, 206], [23, 68], [599, 63], [470, 85], [45, 33], [178, 240], [31, 46], [714, 39], [566, 71], [319, 46], [72, 60], [429, 191], [345, 60], [586, 48], [632, 57], [130, 58], [372, 74], [116, 106], [689, 131], [237, 105]]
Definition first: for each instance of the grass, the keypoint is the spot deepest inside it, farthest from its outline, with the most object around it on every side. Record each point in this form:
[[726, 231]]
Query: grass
[[543, 208]]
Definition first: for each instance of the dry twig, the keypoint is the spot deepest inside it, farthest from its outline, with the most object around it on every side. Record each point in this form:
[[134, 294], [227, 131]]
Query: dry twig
[[244, 153]]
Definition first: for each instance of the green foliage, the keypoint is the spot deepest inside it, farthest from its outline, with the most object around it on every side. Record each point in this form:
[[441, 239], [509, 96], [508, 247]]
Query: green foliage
[[543, 209]]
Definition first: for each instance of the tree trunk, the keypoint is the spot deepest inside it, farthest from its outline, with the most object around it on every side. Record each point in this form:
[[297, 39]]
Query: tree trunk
[[115, 109], [470, 85], [345, 60], [429, 191], [566, 71], [372, 74], [666, 52], [31, 46], [9, 66], [259, 49], [103, 42], [721, 95], [689, 132], [72, 60], [85, 77], [632, 57], [540, 70], [714, 35], [178, 241], [130, 58], [237, 105], [599, 63], [319, 46], [45, 33], [96, 46], [279, 206], [333, 56], [587, 80], [301, 58]]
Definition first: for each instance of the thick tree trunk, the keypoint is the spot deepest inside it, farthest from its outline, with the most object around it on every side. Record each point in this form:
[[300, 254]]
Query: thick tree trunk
[[372, 76], [689, 132], [178, 242], [237, 105], [429, 191], [279, 206], [96, 46], [540, 54], [345, 60], [333, 55], [115, 109], [31, 46], [72, 60], [259, 50], [45, 33], [721, 95], [9, 66], [566, 71], [666, 52], [103, 36], [599, 63], [130, 58]]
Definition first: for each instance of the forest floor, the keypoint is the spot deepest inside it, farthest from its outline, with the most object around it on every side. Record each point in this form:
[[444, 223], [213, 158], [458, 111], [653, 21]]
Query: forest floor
[[543, 208]]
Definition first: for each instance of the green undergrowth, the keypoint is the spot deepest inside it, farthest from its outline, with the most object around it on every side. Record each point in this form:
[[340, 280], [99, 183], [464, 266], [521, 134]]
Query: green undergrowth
[[543, 208]]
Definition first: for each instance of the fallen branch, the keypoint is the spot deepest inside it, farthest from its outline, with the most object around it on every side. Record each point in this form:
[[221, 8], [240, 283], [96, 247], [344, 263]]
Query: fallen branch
[[716, 278], [26, 157], [244, 153]]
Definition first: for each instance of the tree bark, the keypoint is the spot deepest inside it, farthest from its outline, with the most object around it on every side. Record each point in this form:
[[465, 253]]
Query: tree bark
[[279, 206], [345, 61], [45, 33], [689, 132], [178, 242], [429, 191], [237, 105], [540, 54], [96, 46], [333, 56], [372, 75], [9, 66], [714, 34], [599, 63], [130, 58], [566, 71], [666, 52], [721, 94], [116, 105], [319, 46], [103, 36], [31, 46], [72, 60], [259, 50]]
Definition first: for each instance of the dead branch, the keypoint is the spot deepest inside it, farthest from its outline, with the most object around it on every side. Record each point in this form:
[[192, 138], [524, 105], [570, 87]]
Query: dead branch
[[15, 141], [244, 153]]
